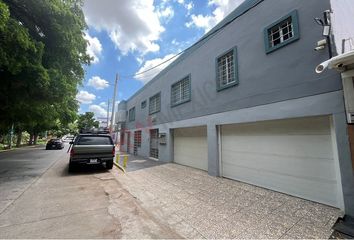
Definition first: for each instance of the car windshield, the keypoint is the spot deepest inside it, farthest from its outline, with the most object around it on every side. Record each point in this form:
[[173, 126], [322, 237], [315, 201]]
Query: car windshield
[[94, 140]]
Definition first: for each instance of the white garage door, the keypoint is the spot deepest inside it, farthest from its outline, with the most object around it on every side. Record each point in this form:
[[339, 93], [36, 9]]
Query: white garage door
[[190, 147], [291, 156]]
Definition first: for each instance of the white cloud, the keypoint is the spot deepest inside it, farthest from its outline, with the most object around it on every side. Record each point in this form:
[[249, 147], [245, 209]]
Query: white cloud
[[200, 21], [222, 9], [99, 111], [140, 60], [94, 47], [103, 104], [85, 97], [189, 6], [166, 13], [133, 25], [146, 77], [98, 83]]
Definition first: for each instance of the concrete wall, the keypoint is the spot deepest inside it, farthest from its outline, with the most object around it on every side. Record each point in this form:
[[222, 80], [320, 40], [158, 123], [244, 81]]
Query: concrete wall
[[342, 21]]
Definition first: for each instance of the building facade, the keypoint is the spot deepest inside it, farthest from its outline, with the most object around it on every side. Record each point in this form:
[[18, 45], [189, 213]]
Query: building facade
[[245, 103]]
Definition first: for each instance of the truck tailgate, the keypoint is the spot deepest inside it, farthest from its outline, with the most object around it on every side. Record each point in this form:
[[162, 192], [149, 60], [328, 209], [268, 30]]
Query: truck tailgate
[[93, 151]]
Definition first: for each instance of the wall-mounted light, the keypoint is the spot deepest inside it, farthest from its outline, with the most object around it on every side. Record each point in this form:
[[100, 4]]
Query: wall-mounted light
[[325, 23]]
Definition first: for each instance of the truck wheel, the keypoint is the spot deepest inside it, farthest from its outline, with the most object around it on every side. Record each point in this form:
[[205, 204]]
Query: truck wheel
[[71, 167], [109, 164]]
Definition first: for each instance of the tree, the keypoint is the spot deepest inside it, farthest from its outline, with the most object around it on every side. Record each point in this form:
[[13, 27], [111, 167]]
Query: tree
[[87, 121], [42, 53]]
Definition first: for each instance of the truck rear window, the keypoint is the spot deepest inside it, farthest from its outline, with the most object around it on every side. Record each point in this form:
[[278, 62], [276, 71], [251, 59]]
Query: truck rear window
[[94, 140]]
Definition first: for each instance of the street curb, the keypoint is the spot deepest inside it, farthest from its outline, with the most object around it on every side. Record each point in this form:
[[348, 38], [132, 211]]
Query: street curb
[[119, 166]]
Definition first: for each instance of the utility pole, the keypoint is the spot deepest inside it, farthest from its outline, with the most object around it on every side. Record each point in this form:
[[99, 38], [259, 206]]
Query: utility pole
[[114, 102], [108, 113]]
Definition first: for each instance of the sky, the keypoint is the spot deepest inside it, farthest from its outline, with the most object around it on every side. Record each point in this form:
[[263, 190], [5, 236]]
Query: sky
[[130, 36]]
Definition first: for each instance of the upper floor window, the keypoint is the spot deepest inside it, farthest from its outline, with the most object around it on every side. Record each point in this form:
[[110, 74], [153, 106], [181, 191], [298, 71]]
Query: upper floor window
[[226, 72], [155, 103], [143, 104], [282, 32], [132, 114], [181, 91]]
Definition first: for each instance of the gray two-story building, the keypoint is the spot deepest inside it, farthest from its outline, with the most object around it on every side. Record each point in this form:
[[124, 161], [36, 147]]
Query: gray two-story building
[[245, 103]]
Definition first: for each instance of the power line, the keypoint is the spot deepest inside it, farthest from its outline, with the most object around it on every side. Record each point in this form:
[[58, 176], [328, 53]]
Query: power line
[[210, 34]]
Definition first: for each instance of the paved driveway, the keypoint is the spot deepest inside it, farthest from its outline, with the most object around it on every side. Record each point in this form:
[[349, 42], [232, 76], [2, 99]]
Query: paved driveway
[[196, 205]]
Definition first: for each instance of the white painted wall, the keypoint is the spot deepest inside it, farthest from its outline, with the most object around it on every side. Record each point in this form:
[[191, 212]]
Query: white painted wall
[[343, 23]]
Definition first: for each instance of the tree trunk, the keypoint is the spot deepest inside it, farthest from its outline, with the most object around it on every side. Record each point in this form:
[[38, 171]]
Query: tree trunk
[[35, 137], [30, 141], [19, 139]]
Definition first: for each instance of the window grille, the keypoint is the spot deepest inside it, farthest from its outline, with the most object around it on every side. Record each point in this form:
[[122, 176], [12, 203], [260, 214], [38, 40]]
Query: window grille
[[155, 103], [181, 91]]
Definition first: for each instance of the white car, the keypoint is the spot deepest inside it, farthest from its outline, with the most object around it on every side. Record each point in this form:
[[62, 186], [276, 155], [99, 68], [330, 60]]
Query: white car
[[68, 138]]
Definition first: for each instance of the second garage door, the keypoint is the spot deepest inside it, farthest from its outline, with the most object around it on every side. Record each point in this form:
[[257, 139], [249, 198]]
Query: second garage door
[[190, 147], [291, 156]]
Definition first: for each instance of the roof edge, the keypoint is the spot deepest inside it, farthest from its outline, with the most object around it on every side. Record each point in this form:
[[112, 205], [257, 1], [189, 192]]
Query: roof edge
[[237, 12]]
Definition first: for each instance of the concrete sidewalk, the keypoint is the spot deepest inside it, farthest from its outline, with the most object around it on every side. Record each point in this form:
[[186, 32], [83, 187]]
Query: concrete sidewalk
[[196, 205], [88, 203]]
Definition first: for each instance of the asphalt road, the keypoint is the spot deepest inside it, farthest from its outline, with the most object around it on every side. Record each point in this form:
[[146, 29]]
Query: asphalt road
[[41, 199], [20, 168]]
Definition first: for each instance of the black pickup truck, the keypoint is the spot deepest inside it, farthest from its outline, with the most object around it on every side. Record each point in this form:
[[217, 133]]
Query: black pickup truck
[[92, 149]]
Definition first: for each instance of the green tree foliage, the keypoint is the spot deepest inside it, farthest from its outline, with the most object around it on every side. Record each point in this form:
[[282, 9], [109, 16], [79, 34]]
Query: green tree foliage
[[87, 121], [42, 52]]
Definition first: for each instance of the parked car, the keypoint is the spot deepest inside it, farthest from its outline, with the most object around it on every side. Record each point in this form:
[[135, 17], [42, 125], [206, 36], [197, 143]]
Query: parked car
[[92, 149], [68, 138], [54, 143]]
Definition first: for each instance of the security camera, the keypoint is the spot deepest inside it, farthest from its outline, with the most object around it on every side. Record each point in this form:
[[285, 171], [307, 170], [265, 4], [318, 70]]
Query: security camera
[[320, 68], [321, 45], [337, 62], [319, 48]]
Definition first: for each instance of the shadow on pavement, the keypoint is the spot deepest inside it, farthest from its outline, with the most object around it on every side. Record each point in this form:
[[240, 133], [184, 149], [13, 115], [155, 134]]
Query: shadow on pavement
[[84, 169]]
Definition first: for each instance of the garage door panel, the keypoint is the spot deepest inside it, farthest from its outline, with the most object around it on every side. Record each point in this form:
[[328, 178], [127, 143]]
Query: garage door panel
[[311, 126], [278, 182], [296, 146], [190, 147], [292, 156], [305, 168]]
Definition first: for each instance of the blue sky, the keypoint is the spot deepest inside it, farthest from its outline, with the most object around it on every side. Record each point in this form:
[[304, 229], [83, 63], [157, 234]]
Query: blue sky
[[130, 36]]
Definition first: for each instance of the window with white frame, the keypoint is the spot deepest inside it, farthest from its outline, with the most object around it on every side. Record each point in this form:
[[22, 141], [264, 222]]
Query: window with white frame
[[282, 32], [226, 69], [155, 103], [181, 91]]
